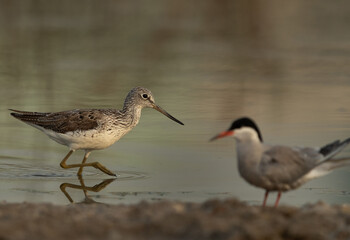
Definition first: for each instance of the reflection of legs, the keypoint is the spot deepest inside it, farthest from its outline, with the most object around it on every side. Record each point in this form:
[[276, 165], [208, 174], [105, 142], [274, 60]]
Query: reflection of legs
[[83, 164], [96, 188], [63, 189]]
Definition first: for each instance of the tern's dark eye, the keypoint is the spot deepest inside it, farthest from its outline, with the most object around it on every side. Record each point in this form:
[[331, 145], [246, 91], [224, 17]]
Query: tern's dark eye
[[145, 96]]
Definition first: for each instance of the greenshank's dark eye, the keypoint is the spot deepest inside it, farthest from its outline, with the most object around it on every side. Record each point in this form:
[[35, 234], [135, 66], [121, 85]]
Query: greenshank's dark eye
[[145, 96]]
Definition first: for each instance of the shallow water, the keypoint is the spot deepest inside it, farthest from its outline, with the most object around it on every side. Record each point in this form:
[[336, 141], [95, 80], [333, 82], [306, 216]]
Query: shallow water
[[286, 66]]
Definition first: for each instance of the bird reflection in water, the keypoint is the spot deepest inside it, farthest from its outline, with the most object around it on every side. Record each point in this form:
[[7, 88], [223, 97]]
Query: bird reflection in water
[[86, 189]]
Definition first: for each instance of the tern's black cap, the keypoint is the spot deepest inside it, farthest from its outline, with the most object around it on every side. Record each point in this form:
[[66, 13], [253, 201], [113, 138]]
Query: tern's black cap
[[245, 122]]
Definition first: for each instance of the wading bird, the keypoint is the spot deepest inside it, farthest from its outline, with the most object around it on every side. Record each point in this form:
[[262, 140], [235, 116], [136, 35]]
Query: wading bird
[[92, 129]]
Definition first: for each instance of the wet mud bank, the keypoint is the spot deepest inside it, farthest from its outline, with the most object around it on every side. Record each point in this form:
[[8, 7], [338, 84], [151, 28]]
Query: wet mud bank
[[213, 219]]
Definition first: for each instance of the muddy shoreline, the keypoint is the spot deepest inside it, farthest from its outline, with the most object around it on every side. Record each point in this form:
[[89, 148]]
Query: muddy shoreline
[[213, 219]]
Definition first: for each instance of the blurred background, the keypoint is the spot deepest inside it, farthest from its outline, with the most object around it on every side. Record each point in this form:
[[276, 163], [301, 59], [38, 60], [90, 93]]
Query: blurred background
[[283, 63]]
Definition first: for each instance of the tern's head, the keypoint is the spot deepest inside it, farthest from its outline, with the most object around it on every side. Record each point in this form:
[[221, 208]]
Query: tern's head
[[142, 97], [240, 129]]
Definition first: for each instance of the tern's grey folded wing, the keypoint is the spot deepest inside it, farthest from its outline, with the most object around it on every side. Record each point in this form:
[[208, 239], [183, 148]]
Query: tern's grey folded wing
[[285, 165]]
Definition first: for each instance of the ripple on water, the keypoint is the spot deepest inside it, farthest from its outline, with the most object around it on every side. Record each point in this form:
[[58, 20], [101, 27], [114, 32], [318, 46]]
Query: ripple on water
[[21, 169]]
